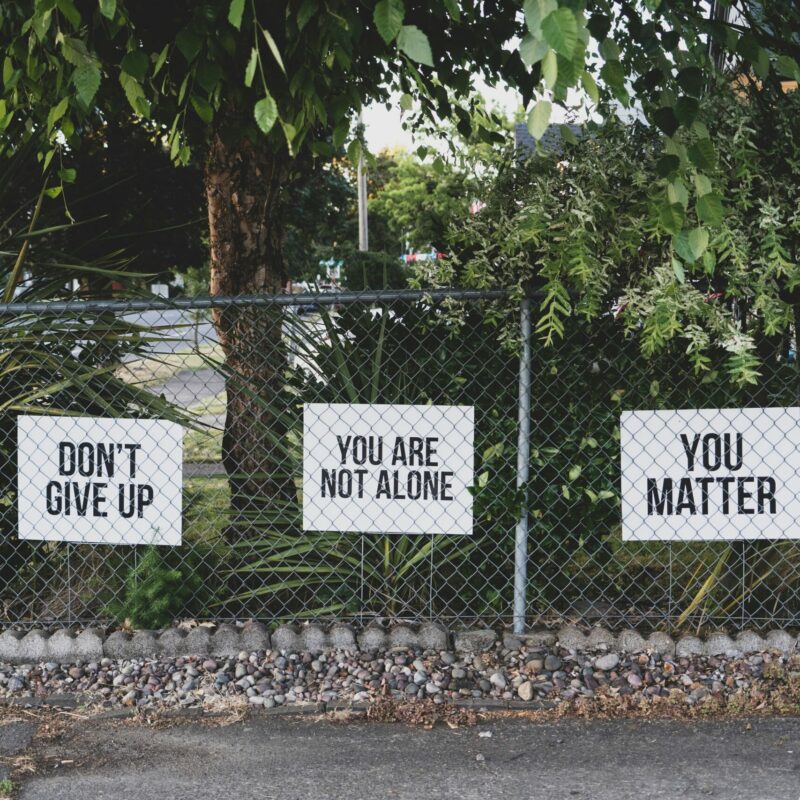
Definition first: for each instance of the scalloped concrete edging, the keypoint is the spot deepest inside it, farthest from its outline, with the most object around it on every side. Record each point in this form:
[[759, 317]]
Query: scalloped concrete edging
[[65, 646]]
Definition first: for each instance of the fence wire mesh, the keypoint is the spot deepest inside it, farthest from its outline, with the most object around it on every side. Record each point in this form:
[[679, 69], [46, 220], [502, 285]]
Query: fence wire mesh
[[236, 375]]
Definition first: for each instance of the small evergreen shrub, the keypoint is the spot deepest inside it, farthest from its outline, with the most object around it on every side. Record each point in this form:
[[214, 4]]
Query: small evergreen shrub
[[167, 583]]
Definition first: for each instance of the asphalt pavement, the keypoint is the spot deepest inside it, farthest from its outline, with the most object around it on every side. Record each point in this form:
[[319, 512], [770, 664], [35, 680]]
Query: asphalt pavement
[[290, 758]]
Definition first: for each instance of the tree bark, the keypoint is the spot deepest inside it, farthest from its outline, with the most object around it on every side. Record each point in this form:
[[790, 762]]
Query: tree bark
[[243, 189]]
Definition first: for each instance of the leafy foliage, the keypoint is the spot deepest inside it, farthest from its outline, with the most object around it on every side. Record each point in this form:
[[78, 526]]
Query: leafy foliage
[[582, 227], [165, 584], [420, 200], [372, 270]]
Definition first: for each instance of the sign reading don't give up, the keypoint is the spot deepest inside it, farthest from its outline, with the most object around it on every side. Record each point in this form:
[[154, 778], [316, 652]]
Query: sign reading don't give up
[[372, 468], [98, 480]]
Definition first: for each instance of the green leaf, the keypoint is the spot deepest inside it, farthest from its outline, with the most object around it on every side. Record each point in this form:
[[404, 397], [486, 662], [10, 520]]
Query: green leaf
[[203, 108], [208, 74], [665, 120], [677, 269], [56, 112], [535, 11], [453, 10], [676, 193], [406, 102], [752, 51], [574, 472], [189, 44], [250, 70], [590, 86], [388, 19], [532, 50], [686, 110], [340, 133], [691, 81], [698, 241], [67, 8], [68, 175], [709, 208], [235, 12], [609, 49], [161, 60], [108, 8], [53, 191], [667, 165], [414, 43], [307, 10], [539, 118], [680, 243], [560, 29], [266, 113], [135, 64], [567, 135], [702, 154], [135, 95], [702, 184], [273, 49], [87, 81], [354, 152], [672, 216], [614, 75], [550, 68], [788, 68]]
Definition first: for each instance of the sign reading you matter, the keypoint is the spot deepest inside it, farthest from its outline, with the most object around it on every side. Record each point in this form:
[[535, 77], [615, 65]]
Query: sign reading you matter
[[100, 481], [711, 474], [387, 468]]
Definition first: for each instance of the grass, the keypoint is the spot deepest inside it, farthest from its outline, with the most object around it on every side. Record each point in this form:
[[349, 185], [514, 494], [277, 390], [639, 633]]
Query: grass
[[202, 447], [205, 509], [6, 787], [214, 404], [160, 368], [205, 446]]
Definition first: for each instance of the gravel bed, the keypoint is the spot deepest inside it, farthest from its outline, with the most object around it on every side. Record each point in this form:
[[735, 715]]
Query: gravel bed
[[526, 674]]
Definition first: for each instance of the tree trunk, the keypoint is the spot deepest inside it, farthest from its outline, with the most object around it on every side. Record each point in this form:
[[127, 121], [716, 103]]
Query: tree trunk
[[243, 189]]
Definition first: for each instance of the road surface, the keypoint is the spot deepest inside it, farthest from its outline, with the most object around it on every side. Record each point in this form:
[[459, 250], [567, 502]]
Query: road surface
[[289, 758]]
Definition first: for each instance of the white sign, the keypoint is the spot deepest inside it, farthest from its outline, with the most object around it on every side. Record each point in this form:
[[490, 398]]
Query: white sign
[[100, 481], [387, 468], [710, 474]]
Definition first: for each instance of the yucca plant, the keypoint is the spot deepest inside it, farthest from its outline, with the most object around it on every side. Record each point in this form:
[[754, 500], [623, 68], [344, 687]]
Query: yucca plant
[[403, 353]]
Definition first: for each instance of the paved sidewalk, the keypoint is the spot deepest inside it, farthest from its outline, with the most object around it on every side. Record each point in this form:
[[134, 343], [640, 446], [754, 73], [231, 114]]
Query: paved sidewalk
[[292, 758]]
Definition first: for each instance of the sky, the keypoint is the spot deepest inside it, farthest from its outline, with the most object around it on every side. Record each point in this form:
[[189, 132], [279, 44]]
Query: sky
[[383, 127]]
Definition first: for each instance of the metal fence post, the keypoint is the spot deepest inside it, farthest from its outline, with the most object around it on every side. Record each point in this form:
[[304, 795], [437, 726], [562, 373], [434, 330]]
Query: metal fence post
[[523, 468]]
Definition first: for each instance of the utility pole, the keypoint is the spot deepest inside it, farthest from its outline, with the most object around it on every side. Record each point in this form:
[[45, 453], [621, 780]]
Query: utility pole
[[363, 229]]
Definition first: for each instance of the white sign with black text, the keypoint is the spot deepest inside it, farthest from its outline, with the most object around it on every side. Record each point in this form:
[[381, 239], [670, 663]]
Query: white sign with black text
[[371, 468], [100, 481], [710, 474]]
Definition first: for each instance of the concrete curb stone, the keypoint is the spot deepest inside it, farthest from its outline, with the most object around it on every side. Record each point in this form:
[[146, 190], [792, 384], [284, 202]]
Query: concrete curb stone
[[227, 640], [474, 641]]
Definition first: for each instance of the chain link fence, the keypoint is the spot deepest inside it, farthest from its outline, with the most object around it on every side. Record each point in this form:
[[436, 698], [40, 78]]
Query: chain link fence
[[236, 374]]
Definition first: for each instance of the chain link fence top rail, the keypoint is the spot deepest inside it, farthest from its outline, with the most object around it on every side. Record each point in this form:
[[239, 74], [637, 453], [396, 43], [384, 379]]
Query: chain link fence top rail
[[236, 373]]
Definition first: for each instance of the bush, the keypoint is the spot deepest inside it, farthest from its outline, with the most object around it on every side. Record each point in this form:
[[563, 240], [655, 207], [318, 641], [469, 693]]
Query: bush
[[166, 583], [374, 271]]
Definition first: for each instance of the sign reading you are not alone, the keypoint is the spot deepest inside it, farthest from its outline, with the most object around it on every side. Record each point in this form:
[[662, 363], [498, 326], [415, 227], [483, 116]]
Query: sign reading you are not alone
[[387, 468], [100, 481], [710, 474]]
